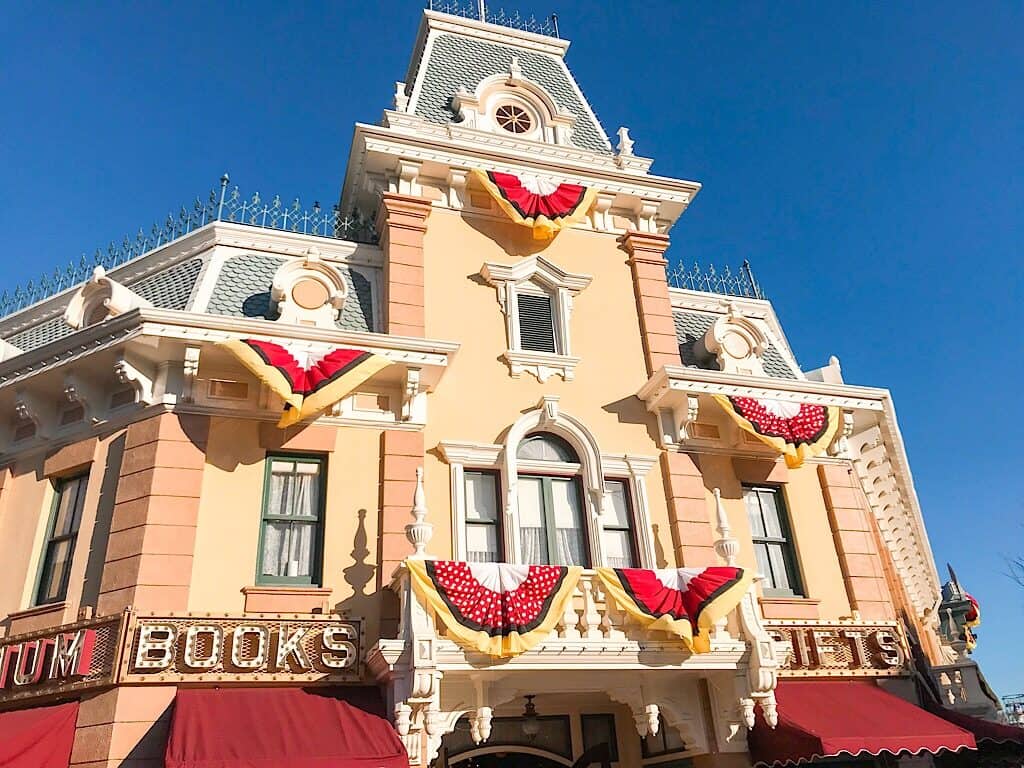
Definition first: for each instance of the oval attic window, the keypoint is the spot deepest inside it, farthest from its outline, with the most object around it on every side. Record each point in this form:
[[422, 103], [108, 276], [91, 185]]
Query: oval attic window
[[513, 118]]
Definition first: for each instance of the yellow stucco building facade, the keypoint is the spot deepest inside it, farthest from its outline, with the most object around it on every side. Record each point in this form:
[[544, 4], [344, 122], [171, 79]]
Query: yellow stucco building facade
[[542, 400]]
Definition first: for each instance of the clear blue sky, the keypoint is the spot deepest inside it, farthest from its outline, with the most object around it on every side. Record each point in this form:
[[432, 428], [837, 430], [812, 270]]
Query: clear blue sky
[[867, 157]]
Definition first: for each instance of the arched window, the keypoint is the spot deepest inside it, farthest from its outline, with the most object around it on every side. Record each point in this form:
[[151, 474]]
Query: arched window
[[546, 447], [550, 499]]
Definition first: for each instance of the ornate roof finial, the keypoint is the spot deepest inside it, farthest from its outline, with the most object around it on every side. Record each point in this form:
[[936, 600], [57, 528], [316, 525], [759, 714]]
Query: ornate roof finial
[[625, 143]]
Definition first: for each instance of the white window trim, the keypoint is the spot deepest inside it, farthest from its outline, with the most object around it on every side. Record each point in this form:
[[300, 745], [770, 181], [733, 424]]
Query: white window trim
[[529, 276], [594, 469]]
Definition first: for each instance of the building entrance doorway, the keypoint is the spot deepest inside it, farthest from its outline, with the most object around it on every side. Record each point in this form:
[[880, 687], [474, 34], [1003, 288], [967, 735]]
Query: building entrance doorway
[[509, 759]]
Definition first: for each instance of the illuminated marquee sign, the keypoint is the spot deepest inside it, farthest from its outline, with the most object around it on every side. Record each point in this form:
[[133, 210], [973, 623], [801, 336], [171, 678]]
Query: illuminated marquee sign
[[59, 660], [854, 648], [204, 649]]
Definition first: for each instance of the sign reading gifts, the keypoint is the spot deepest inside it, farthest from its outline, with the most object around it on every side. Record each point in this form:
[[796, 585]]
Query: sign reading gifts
[[849, 648], [57, 660], [200, 649]]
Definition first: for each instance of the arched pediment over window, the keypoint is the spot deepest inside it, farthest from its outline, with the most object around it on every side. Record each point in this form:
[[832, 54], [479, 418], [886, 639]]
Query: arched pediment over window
[[514, 105], [99, 298]]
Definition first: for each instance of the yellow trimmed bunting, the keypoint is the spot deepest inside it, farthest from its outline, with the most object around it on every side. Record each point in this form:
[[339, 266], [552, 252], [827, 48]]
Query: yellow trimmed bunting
[[305, 390], [684, 601], [796, 430], [498, 609], [537, 203]]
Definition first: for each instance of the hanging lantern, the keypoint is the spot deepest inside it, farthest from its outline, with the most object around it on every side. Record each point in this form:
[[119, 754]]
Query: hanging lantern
[[531, 723]]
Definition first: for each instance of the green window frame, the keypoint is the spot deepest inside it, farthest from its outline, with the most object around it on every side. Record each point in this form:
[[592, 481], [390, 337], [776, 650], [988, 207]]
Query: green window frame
[[61, 538], [291, 521], [549, 509], [773, 541], [619, 526], [483, 516]]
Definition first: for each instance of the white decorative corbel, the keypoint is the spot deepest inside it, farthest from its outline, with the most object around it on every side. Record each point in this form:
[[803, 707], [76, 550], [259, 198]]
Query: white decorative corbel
[[480, 724], [762, 664], [80, 391], [686, 427], [29, 407], [414, 399], [189, 372], [840, 447], [548, 409], [457, 178], [407, 174], [647, 216], [601, 212], [127, 373]]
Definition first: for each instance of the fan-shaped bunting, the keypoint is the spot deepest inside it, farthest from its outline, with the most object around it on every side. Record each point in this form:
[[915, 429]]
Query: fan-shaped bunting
[[537, 203], [684, 601], [973, 617], [310, 388], [796, 430], [495, 608]]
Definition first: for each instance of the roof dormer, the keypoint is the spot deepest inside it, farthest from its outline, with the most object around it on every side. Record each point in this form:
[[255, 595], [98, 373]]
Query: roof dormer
[[515, 105], [99, 298]]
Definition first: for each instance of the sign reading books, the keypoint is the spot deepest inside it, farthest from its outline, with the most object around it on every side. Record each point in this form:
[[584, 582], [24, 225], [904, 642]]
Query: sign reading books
[[60, 660], [189, 648], [853, 648]]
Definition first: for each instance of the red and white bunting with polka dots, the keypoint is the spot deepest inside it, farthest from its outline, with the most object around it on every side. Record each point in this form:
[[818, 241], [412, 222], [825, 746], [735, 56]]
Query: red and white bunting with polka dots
[[499, 609], [796, 430]]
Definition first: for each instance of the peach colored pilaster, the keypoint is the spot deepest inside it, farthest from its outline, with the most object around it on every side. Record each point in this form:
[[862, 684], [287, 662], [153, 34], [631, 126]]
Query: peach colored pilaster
[[153, 529], [650, 288], [125, 726], [853, 531], [401, 453], [692, 537], [402, 223]]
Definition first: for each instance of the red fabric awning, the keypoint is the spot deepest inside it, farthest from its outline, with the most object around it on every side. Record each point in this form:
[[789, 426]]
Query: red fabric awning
[[300, 727], [40, 737], [826, 718], [983, 730]]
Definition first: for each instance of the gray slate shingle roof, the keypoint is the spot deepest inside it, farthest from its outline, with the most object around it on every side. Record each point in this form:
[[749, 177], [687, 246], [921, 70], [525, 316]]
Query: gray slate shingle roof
[[691, 327], [243, 290], [457, 61], [168, 289]]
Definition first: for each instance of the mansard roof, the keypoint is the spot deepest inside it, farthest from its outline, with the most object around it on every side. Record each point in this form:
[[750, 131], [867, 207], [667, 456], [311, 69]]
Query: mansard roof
[[458, 53]]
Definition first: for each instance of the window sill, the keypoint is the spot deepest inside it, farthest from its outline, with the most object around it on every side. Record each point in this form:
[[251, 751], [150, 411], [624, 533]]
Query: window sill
[[789, 607], [35, 618], [286, 599], [543, 365]]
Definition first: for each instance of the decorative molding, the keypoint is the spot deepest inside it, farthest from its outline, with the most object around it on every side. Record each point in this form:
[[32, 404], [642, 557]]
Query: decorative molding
[[542, 365], [99, 298], [127, 373], [308, 292], [190, 372], [527, 276]]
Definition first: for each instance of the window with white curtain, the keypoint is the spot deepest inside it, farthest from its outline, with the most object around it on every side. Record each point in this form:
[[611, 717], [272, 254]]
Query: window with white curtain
[[618, 535], [292, 526], [483, 524], [551, 528], [773, 542]]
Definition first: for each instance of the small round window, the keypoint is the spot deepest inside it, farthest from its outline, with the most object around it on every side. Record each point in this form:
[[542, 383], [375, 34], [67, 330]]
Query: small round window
[[513, 118]]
